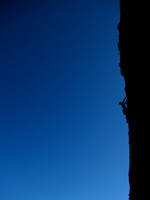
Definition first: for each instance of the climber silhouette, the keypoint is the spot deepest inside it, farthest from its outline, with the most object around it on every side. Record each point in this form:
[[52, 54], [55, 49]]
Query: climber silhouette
[[124, 107]]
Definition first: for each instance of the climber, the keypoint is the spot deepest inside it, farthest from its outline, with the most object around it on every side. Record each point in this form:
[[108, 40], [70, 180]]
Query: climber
[[124, 107]]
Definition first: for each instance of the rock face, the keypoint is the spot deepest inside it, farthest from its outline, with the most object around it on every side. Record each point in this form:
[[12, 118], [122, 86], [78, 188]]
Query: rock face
[[134, 64]]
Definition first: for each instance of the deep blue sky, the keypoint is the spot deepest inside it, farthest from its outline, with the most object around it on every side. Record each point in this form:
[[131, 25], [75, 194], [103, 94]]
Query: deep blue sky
[[62, 133]]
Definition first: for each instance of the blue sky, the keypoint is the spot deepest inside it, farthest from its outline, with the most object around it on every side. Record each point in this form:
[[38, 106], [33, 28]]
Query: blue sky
[[62, 133]]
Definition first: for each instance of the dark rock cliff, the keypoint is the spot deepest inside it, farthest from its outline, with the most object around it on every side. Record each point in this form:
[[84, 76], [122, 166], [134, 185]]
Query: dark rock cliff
[[134, 64]]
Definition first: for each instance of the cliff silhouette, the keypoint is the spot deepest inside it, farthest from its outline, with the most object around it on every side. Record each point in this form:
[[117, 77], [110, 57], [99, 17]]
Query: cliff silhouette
[[134, 65]]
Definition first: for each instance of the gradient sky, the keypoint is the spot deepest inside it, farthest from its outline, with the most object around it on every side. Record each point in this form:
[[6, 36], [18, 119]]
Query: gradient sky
[[62, 133]]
